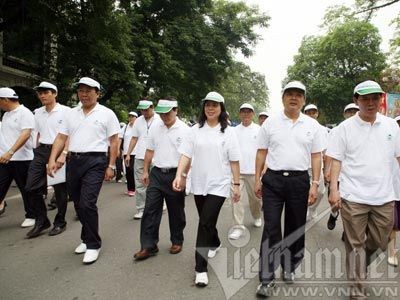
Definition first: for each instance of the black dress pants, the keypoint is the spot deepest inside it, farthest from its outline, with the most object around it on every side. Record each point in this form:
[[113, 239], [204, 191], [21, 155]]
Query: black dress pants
[[130, 179], [36, 186], [288, 193], [17, 171], [160, 188], [85, 175], [208, 208]]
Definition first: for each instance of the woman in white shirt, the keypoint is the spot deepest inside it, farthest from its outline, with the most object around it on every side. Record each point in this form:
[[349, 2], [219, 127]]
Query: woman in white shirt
[[212, 151]]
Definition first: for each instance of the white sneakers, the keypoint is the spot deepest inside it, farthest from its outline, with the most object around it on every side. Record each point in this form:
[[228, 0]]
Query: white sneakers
[[212, 253], [257, 223], [91, 255], [138, 215], [235, 234], [201, 279], [81, 248], [28, 223]]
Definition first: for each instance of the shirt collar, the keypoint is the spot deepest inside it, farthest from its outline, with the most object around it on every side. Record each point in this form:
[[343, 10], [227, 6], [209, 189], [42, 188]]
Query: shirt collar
[[361, 122], [96, 107], [301, 117], [55, 108]]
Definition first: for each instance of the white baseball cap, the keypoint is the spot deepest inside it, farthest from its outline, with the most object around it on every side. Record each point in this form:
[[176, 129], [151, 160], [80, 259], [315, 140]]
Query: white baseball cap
[[351, 106], [88, 81], [294, 85], [368, 87], [46, 86], [6, 92], [310, 106], [132, 113], [214, 96], [165, 106], [397, 118], [246, 105], [144, 104], [263, 113]]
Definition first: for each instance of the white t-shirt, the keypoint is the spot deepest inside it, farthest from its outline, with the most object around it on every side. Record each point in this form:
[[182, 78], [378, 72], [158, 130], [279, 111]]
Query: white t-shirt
[[211, 152], [290, 144], [47, 124], [90, 133], [165, 143], [367, 154], [247, 138], [14, 122], [126, 135], [141, 130], [396, 171]]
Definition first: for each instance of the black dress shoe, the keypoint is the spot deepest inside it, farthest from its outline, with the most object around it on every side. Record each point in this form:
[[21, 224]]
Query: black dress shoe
[[332, 221], [57, 230], [3, 209], [35, 231]]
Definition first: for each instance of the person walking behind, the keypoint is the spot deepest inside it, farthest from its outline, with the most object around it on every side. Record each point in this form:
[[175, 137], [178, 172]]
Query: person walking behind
[[16, 149], [162, 151], [89, 128], [213, 152], [246, 133], [262, 116], [291, 142], [363, 152], [125, 141], [140, 132], [48, 120]]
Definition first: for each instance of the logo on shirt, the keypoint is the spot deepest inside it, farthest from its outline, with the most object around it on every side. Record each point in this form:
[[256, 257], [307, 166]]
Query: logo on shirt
[[223, 143], [308, 133], [59, 121], [389, 137], [179, 140]]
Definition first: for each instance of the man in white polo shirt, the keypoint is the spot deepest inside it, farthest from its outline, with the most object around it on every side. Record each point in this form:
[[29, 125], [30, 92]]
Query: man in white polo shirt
[[48, 119], [140, 132], [363, 152], [291, 142], [262, 116], [311, 110], [16, 149], [246, 132], [162, 150], [90, 128]]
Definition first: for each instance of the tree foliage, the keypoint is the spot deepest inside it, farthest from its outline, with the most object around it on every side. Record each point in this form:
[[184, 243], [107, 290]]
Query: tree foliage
[[135, 49], [331, 65]]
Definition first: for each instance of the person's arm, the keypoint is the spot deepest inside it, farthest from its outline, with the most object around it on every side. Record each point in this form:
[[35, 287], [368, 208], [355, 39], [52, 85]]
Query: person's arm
[[316, 161], [23, 137], [110, 172], [132, 145], [63, 155], [260, 164], [179, 182], [56, 149], [235, 168], [327, 168], [334, 196], [148, 157]]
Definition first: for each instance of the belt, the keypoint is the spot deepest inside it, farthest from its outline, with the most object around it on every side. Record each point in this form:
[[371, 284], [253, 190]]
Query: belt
[[166, 170], [87, 153], [45, 145], [288, 173]]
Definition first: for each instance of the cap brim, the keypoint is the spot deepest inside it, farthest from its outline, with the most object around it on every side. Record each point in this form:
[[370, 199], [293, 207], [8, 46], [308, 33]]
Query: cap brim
[[370, 91], [213, 100], [163, 109], [143, 106]]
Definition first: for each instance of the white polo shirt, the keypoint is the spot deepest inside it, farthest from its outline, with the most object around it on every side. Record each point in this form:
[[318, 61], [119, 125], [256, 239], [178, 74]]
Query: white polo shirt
[[211, 152], [47, 124], [290, 144], [247, 138], [141, 129], [13, 123], [165, 143], [90, 133], [126, 135], [367, 153]]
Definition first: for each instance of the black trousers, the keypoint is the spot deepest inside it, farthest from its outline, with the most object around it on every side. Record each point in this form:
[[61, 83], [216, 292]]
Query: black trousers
[[85, 175], [291, 194], [36, 186], [160, 188], [208, 208], [130, 179], [17, 171], [119, 169]]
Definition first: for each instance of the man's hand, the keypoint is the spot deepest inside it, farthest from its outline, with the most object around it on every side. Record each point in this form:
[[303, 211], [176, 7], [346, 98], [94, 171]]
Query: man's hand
[[312, 194], [179, 184], [145, 178], [110, 174], [236, 194], [60, 160], [258, 188], [52, 168], [334, 199], [5, 158], [127, 160]]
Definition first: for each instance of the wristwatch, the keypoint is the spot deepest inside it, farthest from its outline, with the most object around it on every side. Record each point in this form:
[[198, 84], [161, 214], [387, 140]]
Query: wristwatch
[[11, 151], [112, 167]]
